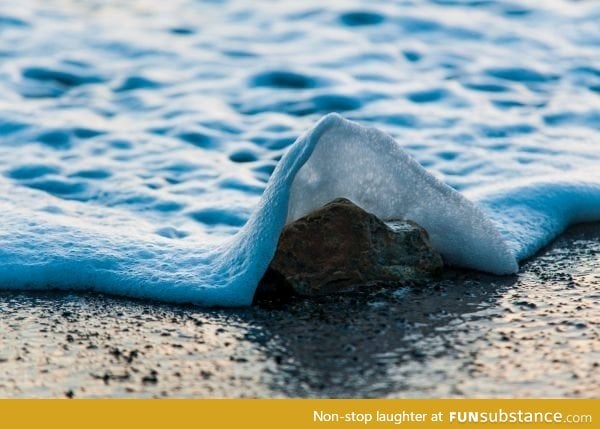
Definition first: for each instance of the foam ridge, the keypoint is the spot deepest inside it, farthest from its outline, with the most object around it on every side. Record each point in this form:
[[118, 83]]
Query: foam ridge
[[45, 244]]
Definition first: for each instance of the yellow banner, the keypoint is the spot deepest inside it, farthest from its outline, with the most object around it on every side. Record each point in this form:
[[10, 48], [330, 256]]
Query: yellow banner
[[300, 413]]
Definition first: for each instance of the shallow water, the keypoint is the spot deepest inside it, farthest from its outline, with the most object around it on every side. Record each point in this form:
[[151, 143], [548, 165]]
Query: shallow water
[[136, 138]]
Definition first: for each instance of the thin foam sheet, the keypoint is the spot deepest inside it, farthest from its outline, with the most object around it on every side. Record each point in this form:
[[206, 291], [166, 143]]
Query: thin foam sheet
[[47, 243]]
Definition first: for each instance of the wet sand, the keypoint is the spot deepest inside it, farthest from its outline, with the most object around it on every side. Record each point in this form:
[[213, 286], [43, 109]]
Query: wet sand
[[467, 335]]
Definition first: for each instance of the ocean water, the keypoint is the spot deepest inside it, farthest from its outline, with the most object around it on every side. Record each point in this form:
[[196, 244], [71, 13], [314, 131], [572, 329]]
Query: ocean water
[[156, 149]]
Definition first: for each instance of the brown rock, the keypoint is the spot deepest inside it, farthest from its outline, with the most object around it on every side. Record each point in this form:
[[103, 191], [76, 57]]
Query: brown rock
[[341, 247]]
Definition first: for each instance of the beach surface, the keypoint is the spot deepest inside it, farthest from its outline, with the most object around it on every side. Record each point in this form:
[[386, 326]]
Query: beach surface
[[467, 335]]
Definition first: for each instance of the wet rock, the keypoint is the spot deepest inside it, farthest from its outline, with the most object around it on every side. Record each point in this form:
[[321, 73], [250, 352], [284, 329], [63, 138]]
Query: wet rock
[[341, 247], [273, 291]]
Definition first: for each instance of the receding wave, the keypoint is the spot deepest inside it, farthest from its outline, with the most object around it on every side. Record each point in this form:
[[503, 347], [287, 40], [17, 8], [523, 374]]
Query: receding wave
[[52, 243]]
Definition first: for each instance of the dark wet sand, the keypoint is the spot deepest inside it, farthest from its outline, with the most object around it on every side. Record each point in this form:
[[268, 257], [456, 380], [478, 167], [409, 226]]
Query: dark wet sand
[[536, 334]]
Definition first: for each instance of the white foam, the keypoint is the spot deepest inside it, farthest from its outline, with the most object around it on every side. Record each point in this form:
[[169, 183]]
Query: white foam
[[47, 243]]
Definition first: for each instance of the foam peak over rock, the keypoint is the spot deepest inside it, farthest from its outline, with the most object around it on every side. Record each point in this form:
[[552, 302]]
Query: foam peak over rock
[[49, 243]]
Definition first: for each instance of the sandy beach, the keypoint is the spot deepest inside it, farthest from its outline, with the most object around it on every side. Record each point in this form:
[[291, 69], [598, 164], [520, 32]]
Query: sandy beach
[[466, 335]]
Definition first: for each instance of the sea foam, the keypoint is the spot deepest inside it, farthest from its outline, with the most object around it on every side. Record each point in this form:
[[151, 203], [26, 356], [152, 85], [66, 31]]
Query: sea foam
[[151, 149], [46, 244]]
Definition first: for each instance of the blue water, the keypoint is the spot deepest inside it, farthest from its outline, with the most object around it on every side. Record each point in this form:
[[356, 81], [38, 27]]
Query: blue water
[[147, 148]]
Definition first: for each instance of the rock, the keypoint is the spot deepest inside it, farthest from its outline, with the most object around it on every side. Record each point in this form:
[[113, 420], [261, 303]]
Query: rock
[[341, 247]]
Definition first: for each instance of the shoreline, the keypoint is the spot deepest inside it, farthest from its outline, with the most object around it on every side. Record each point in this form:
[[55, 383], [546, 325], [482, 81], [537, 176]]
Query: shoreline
[[466, 335]]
